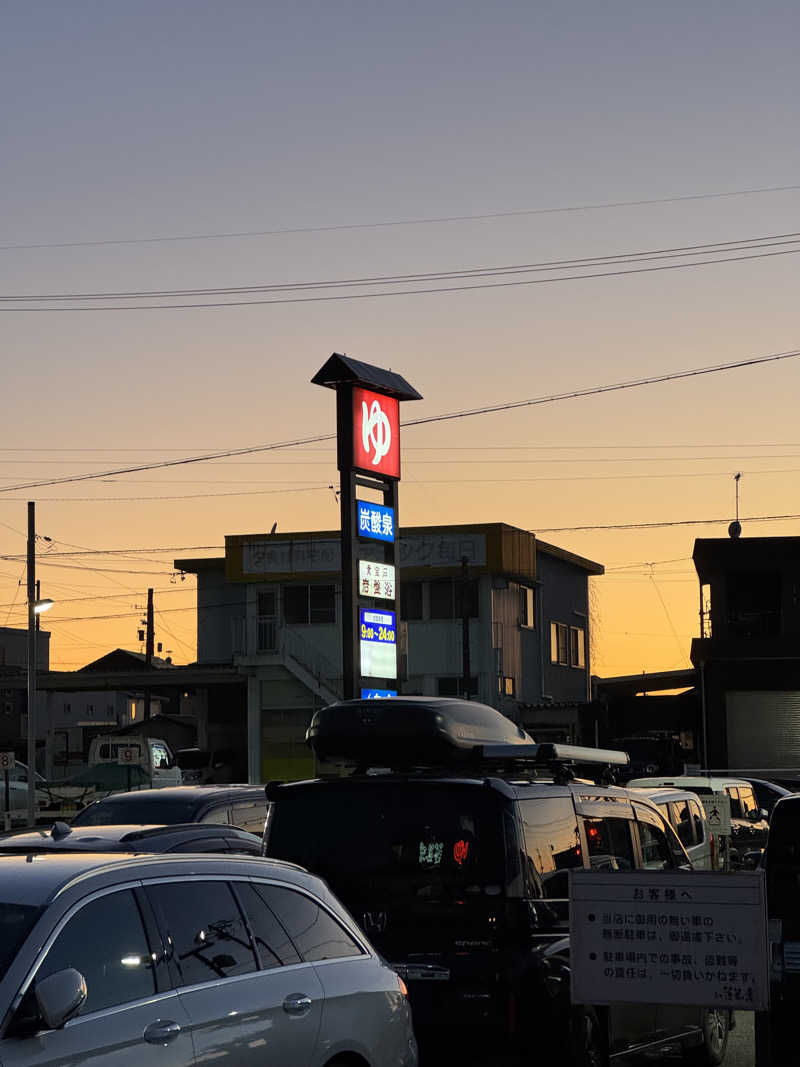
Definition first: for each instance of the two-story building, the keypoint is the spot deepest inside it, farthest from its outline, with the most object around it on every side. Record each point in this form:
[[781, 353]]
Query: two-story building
[[748, 654], [486, 609]]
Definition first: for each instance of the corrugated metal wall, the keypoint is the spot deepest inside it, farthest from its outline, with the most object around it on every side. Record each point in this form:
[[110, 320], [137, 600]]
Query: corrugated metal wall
[[763, 728]]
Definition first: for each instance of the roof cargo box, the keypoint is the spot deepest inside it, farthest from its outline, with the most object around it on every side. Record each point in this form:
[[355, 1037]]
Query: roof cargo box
[[408, 731]]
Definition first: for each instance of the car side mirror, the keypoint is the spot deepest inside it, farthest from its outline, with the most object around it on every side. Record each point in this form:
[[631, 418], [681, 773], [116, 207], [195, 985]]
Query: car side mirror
[[754, 815], [60, 996]]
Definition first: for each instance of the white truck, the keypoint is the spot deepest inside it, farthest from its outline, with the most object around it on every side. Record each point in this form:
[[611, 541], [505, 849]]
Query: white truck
[[117, 763], [150, 754]]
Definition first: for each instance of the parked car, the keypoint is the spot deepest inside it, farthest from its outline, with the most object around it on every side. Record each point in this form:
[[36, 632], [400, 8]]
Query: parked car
[[768, 793], [781, 860], [18, 789], [749, 823], [178, 960], [185, 837], [459, 872], [151, 754], [684, 812], [239, 805], [207, 766]]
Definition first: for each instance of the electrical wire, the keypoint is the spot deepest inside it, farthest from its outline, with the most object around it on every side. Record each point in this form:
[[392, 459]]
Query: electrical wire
[[403, 222], [462, 273], [664, 524], [394, 292], [467, 413]]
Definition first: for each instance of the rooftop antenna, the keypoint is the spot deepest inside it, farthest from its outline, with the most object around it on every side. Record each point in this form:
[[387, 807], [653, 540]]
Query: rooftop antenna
[[735, 528]]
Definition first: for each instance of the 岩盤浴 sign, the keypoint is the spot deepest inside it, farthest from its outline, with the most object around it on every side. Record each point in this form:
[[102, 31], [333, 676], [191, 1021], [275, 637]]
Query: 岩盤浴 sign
[[376, 579]]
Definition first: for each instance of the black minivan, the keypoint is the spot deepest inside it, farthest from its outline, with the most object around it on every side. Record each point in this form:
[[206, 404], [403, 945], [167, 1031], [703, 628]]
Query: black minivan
[[458, 872]]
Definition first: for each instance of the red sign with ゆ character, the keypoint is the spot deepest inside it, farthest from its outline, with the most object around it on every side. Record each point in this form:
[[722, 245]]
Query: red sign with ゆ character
[[376, 433]]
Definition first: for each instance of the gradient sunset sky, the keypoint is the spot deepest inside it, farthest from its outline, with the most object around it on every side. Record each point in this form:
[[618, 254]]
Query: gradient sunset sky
[[126, 123]]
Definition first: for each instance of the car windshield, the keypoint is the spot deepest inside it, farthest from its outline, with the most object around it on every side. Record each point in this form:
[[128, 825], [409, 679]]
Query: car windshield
[[113, 812], [426, 840], [16, 922], [193, 760]]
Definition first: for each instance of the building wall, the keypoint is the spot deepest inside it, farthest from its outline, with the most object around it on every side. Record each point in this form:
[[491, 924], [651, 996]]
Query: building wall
[[14, 648], [564, 599], [221, 611]]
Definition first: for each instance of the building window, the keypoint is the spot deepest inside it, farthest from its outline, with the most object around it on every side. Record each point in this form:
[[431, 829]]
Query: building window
[[559, 643], [303, 604], [526, 607], [454, 687], [506, 686], [577, 646], [411, 600], [266, 629], [67, 708], [448, 596]]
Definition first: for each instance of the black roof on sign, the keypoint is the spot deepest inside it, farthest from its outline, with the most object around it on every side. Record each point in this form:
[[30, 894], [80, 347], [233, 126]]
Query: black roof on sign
[[344, 369]]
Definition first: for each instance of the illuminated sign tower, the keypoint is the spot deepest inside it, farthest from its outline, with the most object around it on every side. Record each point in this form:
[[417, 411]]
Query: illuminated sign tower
[[368, 453]]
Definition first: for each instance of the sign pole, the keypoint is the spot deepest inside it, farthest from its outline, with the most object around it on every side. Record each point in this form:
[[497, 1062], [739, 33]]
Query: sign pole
[[368, 457]]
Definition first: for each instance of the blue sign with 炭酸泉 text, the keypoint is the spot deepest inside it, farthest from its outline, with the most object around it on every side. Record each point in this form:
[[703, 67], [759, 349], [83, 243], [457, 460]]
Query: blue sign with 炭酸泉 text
[[375, 521], [377, 694]]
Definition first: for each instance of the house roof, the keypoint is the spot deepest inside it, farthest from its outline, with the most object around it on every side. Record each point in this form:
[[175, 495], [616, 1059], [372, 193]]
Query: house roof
[[569, 557], [123, 660]]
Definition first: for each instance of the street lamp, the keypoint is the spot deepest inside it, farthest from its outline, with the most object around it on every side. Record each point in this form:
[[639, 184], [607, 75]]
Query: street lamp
[[35, 608]]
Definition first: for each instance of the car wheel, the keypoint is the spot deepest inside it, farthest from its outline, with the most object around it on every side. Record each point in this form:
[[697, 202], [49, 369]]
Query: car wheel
[[588, 1038], [716, 1029]]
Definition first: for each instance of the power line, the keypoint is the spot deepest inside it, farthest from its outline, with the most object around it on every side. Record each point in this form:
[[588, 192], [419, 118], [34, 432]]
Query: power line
[[425, 221], [124, 551], [397, 292], [462, 273], [440, 462], [661, 525], [488, 409]]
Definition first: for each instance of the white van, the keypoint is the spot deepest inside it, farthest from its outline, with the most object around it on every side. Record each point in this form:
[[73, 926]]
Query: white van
[[151, 754], [685, 814]]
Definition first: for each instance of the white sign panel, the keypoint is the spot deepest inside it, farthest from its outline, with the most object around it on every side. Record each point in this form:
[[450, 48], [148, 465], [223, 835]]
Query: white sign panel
[[128, 755], [378, 644], [717, 807], [376, 579], [672, 937]]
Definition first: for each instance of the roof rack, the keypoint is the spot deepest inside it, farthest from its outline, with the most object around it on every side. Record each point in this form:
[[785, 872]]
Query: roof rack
[[549, 753]]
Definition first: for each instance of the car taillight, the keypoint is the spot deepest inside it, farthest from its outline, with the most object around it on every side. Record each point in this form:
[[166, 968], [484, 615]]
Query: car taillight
[[403, 986]]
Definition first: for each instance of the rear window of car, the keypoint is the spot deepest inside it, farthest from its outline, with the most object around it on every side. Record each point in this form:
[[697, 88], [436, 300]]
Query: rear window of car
[[113, 812], [428, 840]]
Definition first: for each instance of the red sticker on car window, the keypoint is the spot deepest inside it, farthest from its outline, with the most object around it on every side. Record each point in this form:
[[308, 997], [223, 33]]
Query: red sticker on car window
[[460, 851]]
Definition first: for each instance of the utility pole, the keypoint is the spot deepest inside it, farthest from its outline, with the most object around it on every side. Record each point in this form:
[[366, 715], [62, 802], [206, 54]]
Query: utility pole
[[31, 663], [148, 653], [465, 661]]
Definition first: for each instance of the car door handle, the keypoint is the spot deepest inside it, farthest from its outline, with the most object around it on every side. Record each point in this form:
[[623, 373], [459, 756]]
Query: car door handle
[[297, 1004], [161, 1032]]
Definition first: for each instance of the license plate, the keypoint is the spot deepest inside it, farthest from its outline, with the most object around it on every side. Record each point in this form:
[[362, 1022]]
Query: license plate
[[427, 974]]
